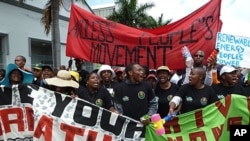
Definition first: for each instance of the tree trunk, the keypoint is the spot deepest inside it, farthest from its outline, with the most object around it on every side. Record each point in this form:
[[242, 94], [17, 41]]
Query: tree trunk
[[55, 34]]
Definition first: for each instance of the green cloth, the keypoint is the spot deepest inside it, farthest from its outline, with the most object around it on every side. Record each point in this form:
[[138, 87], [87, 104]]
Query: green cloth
[[210, 123]]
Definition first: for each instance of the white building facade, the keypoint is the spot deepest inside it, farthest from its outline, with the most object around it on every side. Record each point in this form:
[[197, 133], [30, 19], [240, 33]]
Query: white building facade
[[104, 10], [22, 33]]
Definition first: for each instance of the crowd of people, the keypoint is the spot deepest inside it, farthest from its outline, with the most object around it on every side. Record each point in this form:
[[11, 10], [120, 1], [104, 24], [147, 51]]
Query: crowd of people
[[135, 90]]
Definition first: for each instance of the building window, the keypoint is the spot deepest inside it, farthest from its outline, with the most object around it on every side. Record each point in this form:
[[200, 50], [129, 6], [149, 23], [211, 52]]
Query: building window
[[3, 50], [41, 52]]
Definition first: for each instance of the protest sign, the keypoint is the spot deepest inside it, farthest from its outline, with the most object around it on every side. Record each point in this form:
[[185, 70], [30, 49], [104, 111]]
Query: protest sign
[[97, 40], [233, 50], [53, 116], [63, 118], [210, 123]]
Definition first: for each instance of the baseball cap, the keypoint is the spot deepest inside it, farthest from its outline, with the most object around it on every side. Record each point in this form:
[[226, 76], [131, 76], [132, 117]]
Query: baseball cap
[[152, 76], [38, 66], [227, 69], [47, 66], [119, 69]]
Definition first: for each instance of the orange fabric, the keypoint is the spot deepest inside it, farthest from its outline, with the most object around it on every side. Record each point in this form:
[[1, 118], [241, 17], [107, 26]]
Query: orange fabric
[[215, 78]]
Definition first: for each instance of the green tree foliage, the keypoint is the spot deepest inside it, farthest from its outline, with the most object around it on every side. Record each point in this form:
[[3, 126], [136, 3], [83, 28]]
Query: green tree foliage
[[129, 13]]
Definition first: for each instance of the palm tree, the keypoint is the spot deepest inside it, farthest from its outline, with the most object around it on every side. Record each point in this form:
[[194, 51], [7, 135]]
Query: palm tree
[[152, 23], [50, 19], [160, 21], [130, 14]]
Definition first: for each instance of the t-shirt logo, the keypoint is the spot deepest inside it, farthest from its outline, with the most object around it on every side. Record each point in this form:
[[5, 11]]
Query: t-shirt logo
[[141, 95], [189, 99], [99, 102], [111, 92], [220, 96], [125, 98], [204, 101], [170, 97]]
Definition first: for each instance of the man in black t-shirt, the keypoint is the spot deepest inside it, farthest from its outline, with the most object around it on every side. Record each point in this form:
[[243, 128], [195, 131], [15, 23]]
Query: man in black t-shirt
[[83, 73], [107, 75], [135, 97]]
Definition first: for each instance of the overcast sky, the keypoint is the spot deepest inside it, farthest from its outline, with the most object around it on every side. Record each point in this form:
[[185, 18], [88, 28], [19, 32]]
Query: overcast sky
[[235, 14]]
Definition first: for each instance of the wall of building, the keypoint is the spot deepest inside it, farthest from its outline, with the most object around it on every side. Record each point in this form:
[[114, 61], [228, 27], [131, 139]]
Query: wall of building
[[20, 28], [104, 10]]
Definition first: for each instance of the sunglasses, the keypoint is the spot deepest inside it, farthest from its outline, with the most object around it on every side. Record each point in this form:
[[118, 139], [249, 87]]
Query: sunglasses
[[198, 56]]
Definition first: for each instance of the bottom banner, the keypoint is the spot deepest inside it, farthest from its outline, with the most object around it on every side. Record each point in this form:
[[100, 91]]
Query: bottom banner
[[52, 116]]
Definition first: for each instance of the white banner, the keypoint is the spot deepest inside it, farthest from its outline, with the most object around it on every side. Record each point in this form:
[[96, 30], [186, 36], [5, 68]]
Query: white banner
[[62, 118], [233, 50], [17, 122], [50, 116]]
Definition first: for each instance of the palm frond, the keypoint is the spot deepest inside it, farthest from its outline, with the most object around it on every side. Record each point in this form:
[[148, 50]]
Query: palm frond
[[46, 18]]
